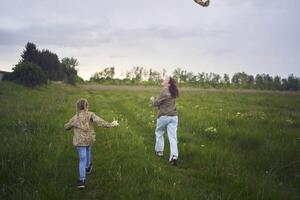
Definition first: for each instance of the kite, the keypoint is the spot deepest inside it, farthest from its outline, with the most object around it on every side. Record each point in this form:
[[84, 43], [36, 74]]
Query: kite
[[203, 3]]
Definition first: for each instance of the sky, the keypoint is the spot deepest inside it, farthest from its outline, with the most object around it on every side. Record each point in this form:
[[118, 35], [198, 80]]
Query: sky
[[252, 36]]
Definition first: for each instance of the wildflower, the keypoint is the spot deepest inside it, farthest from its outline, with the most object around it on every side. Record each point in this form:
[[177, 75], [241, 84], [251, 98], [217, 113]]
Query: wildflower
[[202, 145], [238, 114], [196, 106], [211, 129], [289, 121]]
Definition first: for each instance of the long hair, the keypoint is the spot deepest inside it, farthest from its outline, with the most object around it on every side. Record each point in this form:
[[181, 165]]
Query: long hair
[[173, 88]]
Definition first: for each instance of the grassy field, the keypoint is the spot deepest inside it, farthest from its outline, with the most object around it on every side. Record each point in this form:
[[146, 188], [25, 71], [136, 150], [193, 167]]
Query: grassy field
[[232, 145]]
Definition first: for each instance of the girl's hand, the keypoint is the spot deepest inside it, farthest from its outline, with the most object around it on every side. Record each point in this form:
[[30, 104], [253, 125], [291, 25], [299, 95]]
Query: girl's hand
[[115, 123]]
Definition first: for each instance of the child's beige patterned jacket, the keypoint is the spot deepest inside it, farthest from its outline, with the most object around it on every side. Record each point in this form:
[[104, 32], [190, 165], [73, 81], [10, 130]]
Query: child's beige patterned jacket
[[84, 133]]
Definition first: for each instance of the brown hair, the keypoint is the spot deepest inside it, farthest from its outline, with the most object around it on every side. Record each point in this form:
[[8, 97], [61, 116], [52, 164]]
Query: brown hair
[[81, 105], [173, 88]]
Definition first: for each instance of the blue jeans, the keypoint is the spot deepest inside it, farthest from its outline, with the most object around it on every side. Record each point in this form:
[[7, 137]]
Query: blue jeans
[[84, 153], [169, 122]]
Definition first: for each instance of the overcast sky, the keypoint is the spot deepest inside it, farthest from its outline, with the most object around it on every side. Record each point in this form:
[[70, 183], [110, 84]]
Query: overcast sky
[[254, 36]]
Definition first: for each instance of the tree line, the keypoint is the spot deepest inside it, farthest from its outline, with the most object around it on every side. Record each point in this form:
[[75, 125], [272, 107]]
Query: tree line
[[38, 67], [142, 76]]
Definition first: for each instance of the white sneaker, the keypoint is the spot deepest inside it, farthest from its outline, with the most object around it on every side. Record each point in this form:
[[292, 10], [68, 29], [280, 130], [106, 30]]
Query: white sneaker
[[160, 153]]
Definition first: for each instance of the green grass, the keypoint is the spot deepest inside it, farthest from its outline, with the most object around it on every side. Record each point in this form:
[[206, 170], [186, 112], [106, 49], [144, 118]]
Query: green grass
[[254, 153]]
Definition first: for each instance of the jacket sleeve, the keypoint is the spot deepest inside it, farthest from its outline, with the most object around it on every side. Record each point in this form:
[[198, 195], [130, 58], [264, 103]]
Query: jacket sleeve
[[71, 123], [163, 96], [100, 122]]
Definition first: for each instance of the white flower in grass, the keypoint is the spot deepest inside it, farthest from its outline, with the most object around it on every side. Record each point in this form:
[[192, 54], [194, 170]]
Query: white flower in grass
[[196, 106], [211, 130], [202, 145], [289, 121], [152, 98]]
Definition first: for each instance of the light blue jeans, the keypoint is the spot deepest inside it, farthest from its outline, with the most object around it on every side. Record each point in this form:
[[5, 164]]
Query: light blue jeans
[[169, 122], [84, 153]]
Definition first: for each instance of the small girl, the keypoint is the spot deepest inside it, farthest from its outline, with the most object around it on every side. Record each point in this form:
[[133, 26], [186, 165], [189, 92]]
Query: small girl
[[84, 136]]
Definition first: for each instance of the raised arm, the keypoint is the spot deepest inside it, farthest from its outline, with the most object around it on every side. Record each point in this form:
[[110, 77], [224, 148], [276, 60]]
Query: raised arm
[[163, 96]]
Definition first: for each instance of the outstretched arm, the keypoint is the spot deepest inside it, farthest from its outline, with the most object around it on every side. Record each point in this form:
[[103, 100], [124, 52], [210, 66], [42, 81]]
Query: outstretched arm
[[70, 124], [101, 122]]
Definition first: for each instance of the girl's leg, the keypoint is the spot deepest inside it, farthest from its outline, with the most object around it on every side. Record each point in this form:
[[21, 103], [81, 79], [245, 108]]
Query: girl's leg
[[172, 135], [82, 162], [159, 133], [88, 156]]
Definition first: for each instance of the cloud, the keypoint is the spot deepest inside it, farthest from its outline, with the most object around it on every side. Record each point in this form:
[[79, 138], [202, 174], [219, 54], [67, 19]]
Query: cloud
[[232, 35]]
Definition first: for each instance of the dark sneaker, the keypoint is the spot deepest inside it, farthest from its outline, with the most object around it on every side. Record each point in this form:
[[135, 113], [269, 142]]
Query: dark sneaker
[[80, 184], [173, 161], [89, 169], [160, 153]]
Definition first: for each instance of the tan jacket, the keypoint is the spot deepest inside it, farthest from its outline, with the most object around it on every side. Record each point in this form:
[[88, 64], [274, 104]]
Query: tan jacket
[[166, 104], [84, 133]]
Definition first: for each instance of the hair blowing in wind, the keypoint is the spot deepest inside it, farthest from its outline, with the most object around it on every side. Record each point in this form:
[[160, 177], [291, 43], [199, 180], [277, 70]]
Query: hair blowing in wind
[[173, 88]]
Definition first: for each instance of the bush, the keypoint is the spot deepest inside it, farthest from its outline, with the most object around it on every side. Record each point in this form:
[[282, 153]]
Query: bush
[[28, 74]]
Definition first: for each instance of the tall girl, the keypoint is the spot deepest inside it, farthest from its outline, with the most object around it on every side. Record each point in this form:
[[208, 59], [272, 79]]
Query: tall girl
[[167, 119]]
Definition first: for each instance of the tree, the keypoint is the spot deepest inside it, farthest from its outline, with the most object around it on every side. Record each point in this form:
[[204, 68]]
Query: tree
[[28, 74], [241, 78], [137, 73], [106, 74], [267, 81], [293, 83], [191, 78], [47, 61], [250, 80], [51, 65], [226, 80], [259, 82], [201, 78], [277, 83], [176, 74], [183, 76], [70, 62], [154, 76], [214, 79], [70, 71], [30, 53]]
